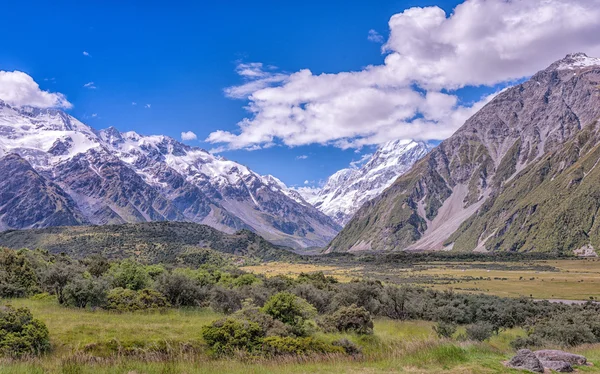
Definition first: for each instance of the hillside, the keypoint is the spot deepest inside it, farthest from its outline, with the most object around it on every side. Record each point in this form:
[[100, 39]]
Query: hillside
[[154, 242], [520, 175]]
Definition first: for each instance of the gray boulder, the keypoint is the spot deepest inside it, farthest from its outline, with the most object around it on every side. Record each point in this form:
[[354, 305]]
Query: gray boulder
[[556, 355], [526, 360], [560, 366]]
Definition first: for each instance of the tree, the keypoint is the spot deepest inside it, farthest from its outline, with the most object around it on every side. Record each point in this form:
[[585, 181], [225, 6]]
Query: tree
[[129, 274]]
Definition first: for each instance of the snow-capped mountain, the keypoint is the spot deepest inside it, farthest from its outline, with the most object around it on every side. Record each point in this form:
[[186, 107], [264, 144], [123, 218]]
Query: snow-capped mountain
[[84, 176], [348, 189]]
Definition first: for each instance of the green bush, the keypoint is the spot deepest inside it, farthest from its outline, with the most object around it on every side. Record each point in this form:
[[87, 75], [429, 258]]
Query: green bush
[[84, 292], [349, 319], [479, 331], [181, 290], [126, 300], [268, 324], [566, 329], [287, 345], [21, 334], [17, 275], [225, 300], [291, 310], [129, 274], [444, 329], [229, 335], [349, 347]]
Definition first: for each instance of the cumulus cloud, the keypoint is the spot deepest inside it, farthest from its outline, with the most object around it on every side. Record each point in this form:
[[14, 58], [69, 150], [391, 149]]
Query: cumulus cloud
[[302, 157], [19, 89], [428, 56], [90, 85], [87, 54], [375, 37], [188, 135]]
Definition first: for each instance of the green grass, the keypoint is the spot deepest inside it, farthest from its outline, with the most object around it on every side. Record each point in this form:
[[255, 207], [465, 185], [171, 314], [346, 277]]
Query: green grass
[[396, 346]]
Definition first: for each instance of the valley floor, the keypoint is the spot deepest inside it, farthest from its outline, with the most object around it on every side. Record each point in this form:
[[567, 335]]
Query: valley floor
[[568, 279], [396, 346]]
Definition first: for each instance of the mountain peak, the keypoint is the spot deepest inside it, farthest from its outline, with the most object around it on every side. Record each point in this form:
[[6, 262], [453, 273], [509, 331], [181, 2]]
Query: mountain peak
[[575, 60]]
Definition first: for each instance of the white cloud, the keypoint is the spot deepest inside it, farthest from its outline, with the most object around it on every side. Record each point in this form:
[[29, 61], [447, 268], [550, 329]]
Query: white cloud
[[306, 182], [255, 77], [133, 103], [301, 157], [87, 54], [188, 135], [147, 106], [483, 42], [94, 114], [375, 37], [19, 89], [90, 85], [361, 161]]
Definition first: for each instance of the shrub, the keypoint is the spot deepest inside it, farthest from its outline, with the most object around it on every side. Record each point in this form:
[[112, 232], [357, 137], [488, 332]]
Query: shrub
[[318, 298], [367, 294], [129, 274], [97, 265], [268, 324], [349, 347], [479, 331], [444, 329], [126, 300], [180, 290], [84, 292], [21, 334], [225, 300], [229, 335], [277, 345], [349, 319], [57, 276], [567, 329], [245, 280], [291, 310], [17, 275]]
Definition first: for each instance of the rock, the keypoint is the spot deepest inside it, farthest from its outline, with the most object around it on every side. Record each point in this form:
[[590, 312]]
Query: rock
[[560, 366], [526, 360], [556, 355]]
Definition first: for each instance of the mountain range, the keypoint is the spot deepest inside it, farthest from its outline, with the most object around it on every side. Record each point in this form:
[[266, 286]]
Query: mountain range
[[60, 172], [519, 175], [348, 189]]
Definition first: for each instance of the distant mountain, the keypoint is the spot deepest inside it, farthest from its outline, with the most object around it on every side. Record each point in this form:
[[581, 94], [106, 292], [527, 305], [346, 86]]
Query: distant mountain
[[84, 176], [348, 189], [153, 242], [520, 175]]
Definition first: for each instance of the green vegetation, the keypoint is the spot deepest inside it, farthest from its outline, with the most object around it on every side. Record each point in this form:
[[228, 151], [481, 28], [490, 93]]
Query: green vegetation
[[151, 242], [21, 334]]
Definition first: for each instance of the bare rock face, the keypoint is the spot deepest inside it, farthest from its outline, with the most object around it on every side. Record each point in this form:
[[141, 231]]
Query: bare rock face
[[556, 355], [526, 360], [559, 366]]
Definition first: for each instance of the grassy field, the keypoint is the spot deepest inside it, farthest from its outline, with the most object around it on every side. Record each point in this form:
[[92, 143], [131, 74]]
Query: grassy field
[[408, 347], [576, 279]]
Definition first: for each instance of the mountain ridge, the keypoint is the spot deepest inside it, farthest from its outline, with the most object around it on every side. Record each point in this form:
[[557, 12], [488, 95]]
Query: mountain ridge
[[468, 174], [114, 177]]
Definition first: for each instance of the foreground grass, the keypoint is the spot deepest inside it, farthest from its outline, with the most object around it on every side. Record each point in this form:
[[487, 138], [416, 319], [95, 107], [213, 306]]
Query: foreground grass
[[396, 346], [574, 279]]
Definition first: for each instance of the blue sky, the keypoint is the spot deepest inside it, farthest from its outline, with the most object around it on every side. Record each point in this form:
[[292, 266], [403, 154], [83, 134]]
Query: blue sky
[[178, 57]]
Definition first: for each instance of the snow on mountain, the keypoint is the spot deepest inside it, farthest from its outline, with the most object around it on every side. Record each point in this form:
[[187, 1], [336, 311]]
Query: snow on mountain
[[115, 177], [348, 189]]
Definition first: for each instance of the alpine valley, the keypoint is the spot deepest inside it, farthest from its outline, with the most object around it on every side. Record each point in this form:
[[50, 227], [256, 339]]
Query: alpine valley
[[520, 175]]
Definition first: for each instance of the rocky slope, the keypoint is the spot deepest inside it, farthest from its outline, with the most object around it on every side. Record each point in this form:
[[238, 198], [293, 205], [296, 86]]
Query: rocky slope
[[106, 177], [348, 189], [520, 175]]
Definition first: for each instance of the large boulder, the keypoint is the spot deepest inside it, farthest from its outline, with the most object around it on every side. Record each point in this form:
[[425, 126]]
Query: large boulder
[[556, 355], [526, 360], [560, 366]]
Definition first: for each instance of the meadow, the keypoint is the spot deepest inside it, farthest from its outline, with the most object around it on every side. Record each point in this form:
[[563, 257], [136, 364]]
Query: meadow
[[561, 279], [396, 346]]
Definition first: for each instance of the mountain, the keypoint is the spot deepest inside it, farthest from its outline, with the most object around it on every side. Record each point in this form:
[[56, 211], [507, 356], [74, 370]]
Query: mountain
[[520, 175], [348, 189], [153, 242], [84, 176]]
